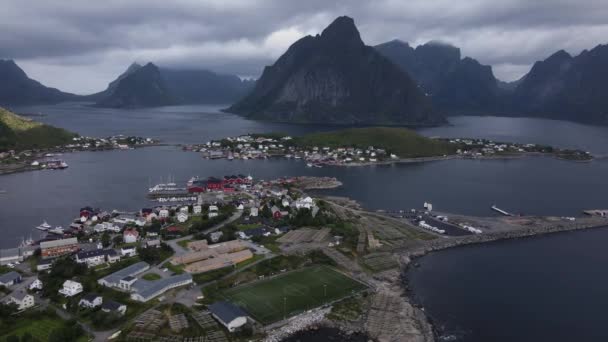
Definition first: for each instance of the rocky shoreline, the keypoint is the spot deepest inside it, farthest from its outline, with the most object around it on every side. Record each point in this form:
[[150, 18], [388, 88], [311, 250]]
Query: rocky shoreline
[[407, 257]]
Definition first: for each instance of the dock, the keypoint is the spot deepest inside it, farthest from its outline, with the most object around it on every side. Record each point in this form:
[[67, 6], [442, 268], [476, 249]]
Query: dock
[[497, 209], [596, 212]]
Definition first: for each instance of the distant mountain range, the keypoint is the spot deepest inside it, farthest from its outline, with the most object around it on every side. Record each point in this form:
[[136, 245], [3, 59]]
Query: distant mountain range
[[335, 78], [454, 85], [138, 86], [560, 87], [16, 88], [150, 86]]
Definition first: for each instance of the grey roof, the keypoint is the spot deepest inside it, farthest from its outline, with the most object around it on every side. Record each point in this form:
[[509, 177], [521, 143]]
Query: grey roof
[[19, 295], [128, 278], [95, 253], [111, 305], [134, 269], [57, 243], [90, 297], [11, 276], [147, 288], [226, 311]]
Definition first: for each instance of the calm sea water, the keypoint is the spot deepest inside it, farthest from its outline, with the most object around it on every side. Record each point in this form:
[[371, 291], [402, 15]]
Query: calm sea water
[[549, 288], [541, 289], [119, 179]]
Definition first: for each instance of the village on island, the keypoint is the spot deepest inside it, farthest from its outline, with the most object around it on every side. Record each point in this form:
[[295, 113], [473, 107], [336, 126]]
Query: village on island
[[235, 258], [339, 151]]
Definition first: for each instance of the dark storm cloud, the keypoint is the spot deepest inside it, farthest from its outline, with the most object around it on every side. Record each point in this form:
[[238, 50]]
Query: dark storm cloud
[[88, 43]]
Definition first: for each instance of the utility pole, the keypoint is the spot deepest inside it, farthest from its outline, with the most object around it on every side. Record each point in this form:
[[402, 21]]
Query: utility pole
[[284, 308]]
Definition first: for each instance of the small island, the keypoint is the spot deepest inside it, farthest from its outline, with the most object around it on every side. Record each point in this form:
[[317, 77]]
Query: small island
[[371, 146]]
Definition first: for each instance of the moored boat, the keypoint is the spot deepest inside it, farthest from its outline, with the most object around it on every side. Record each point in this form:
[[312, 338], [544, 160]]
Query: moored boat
[[44, 226]]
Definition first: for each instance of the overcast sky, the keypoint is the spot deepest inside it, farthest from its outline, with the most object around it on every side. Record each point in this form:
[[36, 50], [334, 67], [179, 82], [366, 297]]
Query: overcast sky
[[80, 46]]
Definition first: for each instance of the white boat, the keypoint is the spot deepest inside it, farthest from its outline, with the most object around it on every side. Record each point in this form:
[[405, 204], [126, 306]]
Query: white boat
[[25, 243], [44, 226], [309, 164], [57, 230]]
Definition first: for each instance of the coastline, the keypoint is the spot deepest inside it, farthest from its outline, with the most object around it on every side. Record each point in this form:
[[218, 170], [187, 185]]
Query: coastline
[[24, 165], [408, 257]]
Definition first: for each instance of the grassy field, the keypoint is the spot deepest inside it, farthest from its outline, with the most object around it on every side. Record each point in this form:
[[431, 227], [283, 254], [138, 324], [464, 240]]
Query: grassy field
[[39, 329], [288, 294], [403, 142]]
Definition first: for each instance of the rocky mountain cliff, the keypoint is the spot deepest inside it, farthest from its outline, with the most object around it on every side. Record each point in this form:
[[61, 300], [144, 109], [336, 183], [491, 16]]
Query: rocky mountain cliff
[[455, 85], [203, 86], [16, 88], [142, 87], [150, 86], [335, 78], [566, 87]]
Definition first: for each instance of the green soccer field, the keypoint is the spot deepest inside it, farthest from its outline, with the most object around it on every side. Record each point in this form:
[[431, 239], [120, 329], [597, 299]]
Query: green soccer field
[[291, 293]]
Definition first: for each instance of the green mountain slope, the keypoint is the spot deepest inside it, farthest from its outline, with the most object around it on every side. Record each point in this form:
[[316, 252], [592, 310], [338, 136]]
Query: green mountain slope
[[19, 133], [401, 141]]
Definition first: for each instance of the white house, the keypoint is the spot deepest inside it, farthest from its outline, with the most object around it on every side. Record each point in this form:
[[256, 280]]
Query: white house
[[36, 285], [253, 212], [182, 217], [163, 213], [96, 257], [285, 202], [213, 211], [22, 299], [44, 265], [130, 235], [228, 314], [110, 306], [106, 226], [240, 207], [91, 300], [305, 202], [70, 288], [183, 210], [128, 251], [197, 209]]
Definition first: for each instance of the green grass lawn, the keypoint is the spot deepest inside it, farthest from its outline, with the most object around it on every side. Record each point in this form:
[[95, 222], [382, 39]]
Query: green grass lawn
[[40, 329], [151, 276], [291, 293]]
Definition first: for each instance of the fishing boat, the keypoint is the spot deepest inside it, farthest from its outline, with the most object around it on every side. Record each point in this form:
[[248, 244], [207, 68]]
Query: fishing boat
[[44, 226]]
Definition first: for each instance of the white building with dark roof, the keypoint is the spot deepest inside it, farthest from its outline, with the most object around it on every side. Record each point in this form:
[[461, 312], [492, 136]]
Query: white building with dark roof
[[97, 257], [22, 299], [229, 315], [145, 290], [9, 279], [91, 300], [71, 288], [114, 279], [110, 306]]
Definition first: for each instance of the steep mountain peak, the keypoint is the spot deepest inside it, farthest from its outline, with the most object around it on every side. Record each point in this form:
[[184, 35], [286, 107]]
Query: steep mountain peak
[[335, 78], [396, 42], [560, 55], [439, 50], [343, 32], [8, 68], [133, 67]]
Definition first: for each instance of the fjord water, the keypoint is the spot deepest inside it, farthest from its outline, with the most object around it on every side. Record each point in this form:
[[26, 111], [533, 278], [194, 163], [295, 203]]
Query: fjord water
[[119, 179], [547, 288], [531, 271]]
